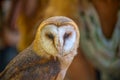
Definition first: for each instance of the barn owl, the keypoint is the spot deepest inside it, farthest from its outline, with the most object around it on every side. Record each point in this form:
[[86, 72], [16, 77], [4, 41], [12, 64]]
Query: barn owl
[[50, 54]]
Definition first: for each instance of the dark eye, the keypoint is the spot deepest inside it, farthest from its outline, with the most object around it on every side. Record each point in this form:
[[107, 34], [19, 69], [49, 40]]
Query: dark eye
[[66, 35], [50, 36]]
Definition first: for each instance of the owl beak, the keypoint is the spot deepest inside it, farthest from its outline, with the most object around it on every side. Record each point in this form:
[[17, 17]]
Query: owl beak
[[59, 48]]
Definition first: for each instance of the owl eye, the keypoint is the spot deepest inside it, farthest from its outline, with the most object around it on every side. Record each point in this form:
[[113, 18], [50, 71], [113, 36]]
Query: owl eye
[[50, 36], [67, 35]]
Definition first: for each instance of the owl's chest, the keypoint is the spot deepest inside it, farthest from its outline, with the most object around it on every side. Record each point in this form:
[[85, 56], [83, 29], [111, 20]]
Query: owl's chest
[[38, 71]]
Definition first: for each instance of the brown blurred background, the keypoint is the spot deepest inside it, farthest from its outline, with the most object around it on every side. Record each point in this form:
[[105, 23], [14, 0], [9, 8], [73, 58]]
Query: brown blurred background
[[18, 24]]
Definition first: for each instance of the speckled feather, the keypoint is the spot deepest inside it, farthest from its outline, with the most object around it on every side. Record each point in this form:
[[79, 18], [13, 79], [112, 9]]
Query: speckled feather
[[29, 66]]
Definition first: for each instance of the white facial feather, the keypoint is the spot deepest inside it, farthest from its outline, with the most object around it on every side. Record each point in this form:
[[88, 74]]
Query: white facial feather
[[67, 43], [46, 43], [58, 40]]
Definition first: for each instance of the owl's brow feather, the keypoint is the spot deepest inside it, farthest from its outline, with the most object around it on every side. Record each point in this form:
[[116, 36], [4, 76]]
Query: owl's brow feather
[[58, 24]]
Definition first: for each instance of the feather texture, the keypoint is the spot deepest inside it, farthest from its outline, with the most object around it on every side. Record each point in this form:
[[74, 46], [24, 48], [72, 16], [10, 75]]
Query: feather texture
[[29, 66]]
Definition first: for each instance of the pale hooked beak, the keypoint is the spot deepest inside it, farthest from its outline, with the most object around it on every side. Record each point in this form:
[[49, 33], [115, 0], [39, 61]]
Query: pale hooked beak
[[59, 46]]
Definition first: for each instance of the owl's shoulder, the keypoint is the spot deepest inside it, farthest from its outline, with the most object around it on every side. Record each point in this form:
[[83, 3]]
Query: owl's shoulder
[[28, 64]]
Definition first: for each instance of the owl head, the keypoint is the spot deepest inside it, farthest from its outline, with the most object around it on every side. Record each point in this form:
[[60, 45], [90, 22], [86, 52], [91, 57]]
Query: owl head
[[56, 36]]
